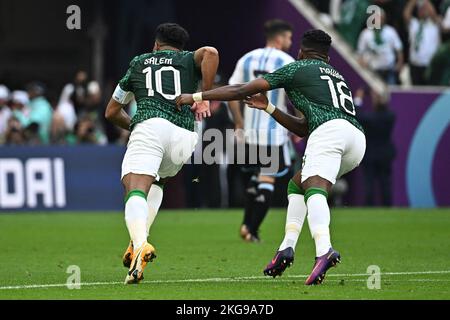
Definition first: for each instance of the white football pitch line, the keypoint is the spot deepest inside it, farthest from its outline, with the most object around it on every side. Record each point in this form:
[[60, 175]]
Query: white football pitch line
[[242, 279]]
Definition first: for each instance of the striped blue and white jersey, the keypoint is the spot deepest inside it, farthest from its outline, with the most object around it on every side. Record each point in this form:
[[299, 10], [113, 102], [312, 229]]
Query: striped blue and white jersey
[[260, 128]]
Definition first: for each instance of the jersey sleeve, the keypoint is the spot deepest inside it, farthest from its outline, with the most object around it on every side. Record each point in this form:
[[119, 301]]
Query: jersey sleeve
[[125, 83], [281, 78]]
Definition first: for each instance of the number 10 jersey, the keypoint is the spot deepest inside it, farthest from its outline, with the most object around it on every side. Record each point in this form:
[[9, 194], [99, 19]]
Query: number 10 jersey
[[156, 79]]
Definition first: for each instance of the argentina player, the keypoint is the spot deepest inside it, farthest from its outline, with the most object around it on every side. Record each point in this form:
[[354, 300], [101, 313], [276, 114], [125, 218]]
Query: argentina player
[[263, 135]]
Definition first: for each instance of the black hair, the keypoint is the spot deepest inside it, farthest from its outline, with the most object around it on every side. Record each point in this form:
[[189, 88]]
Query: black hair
[[274, 27], [172, 34], [316, 40]]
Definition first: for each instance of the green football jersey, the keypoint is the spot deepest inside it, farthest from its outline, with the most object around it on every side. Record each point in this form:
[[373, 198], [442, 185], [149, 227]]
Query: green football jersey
[[317, 90], [156, 79]]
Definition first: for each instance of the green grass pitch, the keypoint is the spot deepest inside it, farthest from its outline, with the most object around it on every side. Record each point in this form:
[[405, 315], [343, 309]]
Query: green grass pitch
[[200, 256]]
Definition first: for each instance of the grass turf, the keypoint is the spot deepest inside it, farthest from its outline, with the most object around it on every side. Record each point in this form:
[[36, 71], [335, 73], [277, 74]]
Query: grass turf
[[37, 248]]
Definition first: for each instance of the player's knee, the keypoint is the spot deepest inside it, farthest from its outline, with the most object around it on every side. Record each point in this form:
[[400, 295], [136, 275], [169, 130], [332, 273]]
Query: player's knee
[[137, 193], [294, 188], [316, 182], [266, 179], [315, 191]]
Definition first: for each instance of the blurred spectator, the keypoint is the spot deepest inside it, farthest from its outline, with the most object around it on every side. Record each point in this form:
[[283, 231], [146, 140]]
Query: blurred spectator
[[19, 107], [79, 91], [378, 126], [424, 37], [40, 111], [381, 50], [5, 111], [32, 134], [93, 97], [79, 96], [438, 72], [352, 19], [14, 134], [59, 133], [65, 108], [445, 25], [86, 132]]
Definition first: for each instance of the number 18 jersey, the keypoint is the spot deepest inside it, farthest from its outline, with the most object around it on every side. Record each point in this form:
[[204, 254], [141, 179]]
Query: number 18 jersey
[[317, 90], [156, 79]]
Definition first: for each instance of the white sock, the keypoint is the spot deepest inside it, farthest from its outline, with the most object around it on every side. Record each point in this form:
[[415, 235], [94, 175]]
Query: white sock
[[296, 213], [319, 222], [136, 215], [154, 199]]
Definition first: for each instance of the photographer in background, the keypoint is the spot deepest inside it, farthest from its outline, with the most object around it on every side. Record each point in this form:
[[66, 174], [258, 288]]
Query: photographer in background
[[378, 125], [85, 131]]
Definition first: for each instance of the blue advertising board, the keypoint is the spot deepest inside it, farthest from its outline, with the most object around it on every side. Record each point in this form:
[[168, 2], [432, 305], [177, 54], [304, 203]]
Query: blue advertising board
[[60, 178]]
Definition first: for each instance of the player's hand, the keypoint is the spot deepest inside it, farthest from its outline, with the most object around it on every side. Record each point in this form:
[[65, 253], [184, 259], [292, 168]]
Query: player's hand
[[184, 99], [201, 110], [257, 101]]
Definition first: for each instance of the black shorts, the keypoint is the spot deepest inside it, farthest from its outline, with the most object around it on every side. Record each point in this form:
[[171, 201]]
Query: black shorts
[[266, 160]]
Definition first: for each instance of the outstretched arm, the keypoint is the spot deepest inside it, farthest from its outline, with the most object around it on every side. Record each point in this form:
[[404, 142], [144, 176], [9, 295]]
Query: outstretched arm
[[227, 93], [294, 124], [408, 11]]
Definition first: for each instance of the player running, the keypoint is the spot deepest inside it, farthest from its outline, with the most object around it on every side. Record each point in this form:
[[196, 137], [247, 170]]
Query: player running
[[336, 142], [162, 137], [262, 131]]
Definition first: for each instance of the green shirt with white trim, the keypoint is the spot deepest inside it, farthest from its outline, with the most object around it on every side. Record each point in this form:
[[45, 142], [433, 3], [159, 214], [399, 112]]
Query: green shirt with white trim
[[317, 90], [156, 79]]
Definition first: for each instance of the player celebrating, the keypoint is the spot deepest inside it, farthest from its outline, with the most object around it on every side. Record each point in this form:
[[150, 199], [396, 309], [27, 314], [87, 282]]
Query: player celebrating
[[336, 143], [262, 131], [162, 138]]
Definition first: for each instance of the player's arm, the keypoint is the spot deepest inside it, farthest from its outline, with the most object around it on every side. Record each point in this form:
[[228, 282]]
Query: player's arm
[[227, 93], [114, 111], [432, 12], [297, 125], [207, 59], [408, 11]]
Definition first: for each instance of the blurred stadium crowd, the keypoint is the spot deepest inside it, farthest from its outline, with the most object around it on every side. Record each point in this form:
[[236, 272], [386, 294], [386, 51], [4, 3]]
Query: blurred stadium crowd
[[29, 117], [412, 46]]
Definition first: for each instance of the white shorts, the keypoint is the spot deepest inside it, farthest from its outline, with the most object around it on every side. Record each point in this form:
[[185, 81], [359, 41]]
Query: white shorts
[[158, 148], [333, 149]]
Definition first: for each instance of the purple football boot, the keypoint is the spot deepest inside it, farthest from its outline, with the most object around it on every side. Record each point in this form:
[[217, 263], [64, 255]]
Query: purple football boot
[[321, 266], [282, 260]]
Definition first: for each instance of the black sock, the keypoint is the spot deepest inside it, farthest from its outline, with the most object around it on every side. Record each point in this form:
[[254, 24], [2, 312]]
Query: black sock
[[250, 194], [261, 205]]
